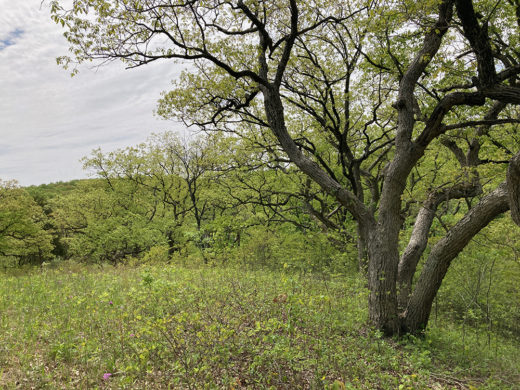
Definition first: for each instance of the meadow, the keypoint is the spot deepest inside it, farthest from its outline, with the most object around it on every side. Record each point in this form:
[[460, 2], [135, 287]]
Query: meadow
[[75, 326]]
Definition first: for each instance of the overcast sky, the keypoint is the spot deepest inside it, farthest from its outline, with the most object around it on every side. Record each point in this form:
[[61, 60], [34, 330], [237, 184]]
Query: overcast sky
[[48, 120]]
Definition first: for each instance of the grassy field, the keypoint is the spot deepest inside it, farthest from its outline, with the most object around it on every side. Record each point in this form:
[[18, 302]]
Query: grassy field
[[78, 327]]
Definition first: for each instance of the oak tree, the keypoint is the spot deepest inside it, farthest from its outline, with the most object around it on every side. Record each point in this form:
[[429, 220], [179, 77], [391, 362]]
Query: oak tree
[[361, 96]]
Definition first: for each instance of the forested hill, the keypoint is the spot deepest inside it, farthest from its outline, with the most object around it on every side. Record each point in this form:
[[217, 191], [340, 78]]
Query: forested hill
[[51, 190]]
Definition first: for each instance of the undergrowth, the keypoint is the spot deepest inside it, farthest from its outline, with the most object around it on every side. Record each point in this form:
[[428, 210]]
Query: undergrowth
[[169, 326]]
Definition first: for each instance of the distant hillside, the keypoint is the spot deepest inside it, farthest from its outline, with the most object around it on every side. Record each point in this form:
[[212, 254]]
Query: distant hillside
[[43, 192]]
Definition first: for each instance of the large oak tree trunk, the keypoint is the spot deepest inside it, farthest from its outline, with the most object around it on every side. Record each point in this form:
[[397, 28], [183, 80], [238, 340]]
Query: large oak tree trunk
[[382, 274], [383, 250]]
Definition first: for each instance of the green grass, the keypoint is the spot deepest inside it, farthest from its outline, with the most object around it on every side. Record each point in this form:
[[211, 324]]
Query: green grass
[[175, 327]]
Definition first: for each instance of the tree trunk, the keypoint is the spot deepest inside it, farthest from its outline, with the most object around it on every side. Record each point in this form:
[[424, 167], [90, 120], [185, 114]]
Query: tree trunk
[[383, 251], [362, 251], [419, 307], [513, 187], [413, 252], [382, 274]]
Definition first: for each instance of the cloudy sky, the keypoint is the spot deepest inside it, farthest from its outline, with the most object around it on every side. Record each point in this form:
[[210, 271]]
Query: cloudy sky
[[48, 120]]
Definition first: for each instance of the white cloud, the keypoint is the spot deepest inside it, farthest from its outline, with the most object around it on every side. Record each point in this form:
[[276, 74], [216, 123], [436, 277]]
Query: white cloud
[[48, 120]]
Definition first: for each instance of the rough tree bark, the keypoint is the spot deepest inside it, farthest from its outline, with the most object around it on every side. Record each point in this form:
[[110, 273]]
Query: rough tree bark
[[513, 188], [383, 244]]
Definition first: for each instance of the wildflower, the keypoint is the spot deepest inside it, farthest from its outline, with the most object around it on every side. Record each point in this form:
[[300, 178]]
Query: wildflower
[[107, 375], [132, 335], [110, 302]]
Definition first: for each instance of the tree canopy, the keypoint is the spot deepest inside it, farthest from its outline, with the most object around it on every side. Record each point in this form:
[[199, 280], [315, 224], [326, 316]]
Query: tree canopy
[[22, 234]]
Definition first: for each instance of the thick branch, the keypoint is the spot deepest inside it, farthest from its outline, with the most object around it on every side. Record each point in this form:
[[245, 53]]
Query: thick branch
[[479, 40], [405, 101], [513, 187], [434, 127], [421, 230], [275, 115], [441, 255]]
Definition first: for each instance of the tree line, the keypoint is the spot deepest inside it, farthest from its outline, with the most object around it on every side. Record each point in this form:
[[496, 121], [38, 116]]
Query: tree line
[[202, 196]]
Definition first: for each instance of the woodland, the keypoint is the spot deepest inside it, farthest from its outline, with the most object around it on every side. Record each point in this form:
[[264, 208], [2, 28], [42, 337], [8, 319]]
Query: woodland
[[372, 143]]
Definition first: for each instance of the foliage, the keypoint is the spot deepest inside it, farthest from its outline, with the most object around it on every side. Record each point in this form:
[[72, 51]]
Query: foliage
[[98, 225], [206, 195], [22, 237], [292, 249], [482, 289]]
